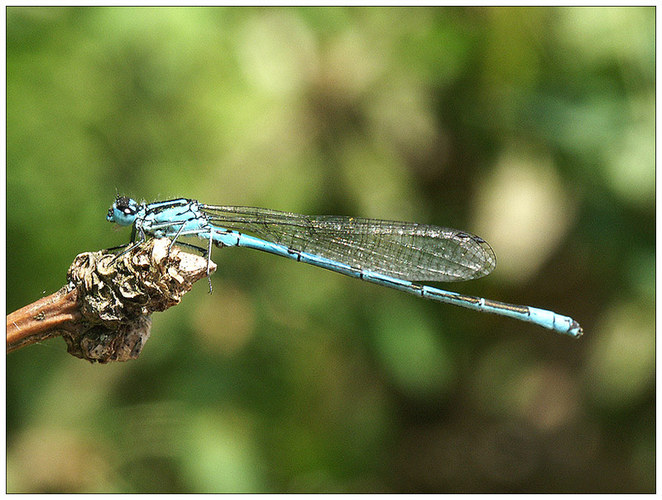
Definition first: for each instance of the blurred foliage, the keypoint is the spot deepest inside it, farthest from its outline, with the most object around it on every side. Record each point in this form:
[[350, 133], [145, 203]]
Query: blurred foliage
[[533, 127]]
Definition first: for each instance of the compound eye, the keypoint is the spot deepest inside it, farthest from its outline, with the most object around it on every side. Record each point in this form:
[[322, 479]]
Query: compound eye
[[124, 211]]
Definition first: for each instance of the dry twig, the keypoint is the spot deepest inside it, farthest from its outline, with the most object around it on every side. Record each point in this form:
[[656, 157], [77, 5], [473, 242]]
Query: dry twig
[[104, 311]]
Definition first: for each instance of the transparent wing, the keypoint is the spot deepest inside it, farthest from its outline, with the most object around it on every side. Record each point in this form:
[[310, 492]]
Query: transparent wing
[[414, 252]]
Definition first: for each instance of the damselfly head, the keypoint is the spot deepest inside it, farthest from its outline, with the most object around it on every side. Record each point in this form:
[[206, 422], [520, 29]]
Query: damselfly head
[[123, 211]]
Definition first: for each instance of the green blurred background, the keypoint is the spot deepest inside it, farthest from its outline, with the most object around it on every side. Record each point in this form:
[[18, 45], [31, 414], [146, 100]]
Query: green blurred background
[[532, 127]]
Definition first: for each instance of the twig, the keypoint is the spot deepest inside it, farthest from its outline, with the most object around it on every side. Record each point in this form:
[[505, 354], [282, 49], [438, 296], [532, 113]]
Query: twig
[[104, 311]]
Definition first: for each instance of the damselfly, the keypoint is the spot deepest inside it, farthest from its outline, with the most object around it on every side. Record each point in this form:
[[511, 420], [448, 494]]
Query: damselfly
[[389, 253]]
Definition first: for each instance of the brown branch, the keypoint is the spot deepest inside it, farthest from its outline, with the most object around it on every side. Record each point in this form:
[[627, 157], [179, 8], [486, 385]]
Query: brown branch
[[42, 319], [104, 311]]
